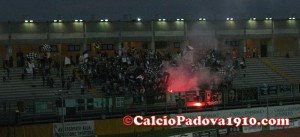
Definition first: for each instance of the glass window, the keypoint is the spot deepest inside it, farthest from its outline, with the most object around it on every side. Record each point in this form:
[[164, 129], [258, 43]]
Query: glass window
[[77, 47], [106, 46], [73, 47], [177, 45], [109, 46], [54, 48], [70, 47], [119, 101]]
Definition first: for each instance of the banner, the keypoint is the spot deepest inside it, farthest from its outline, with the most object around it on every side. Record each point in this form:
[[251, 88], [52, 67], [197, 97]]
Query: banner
[[247, 94], [287, 111], [275, 127], [293, 124], [222, 132], [285, 90], [184, 135], [263, 91], [207, 133], [271, 90], [204, 134], [72, 129], [252, 129], [234, 129]]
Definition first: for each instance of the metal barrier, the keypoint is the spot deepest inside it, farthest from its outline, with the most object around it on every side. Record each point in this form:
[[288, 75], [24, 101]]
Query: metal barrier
[[82, 108]]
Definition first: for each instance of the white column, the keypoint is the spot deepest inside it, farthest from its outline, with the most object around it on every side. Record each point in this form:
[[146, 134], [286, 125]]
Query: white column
[[8, 51], [183, 47], [118, 48], [9, 46], [219, 45], [243, 48], [151, 46], [270, 47], [84, 45], [84, 37], [297, 47]]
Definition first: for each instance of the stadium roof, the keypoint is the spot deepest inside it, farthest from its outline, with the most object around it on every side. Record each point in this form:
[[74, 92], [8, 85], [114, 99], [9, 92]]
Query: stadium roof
[[46, 10]]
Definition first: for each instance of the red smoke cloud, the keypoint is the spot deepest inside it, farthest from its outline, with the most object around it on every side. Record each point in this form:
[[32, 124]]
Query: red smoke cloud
[[184, 78]]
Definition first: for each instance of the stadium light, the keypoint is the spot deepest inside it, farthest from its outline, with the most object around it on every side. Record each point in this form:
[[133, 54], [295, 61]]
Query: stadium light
[[268, 18], [106, 20], [138, 19], [81, 20], [56, 21], [202, 19], [253, 19], [229, 19], [182, 19], [28, 21], [178, 19], [76, 20], [292, 18]]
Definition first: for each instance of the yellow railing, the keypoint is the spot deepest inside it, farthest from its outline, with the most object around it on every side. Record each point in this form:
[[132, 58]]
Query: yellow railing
[[279, 71]]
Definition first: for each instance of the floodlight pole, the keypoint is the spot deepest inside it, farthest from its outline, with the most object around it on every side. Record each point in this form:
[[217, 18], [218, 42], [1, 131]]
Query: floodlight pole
[[266, 88], [63, 115], [61, 90]]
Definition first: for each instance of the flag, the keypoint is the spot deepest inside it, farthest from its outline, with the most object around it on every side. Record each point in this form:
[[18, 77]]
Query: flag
[[46, 48], [48, 55], [85, 56], [81, 59], [83, 67], [140, 77], [98, 45], [222, 72], [31, 56], [67, 61]]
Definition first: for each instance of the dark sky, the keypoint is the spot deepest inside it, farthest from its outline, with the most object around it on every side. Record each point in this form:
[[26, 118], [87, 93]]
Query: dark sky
[[43, 10]]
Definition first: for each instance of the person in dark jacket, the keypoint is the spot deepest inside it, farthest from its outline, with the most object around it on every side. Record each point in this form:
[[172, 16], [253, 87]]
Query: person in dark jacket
[[82, 90]]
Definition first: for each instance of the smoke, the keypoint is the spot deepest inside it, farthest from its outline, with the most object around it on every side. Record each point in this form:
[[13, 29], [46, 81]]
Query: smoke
[[189, 73], [185, 77]]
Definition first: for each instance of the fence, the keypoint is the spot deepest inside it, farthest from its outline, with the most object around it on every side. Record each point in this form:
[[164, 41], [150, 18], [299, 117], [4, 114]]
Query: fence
[[80, 108]]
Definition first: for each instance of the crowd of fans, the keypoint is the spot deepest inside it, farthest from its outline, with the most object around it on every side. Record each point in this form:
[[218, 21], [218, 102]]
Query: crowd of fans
[[141, 72], [132, 73]]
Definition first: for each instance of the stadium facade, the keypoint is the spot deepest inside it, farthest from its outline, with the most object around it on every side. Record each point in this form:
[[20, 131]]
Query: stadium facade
[[34, 104], [267, 37]]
